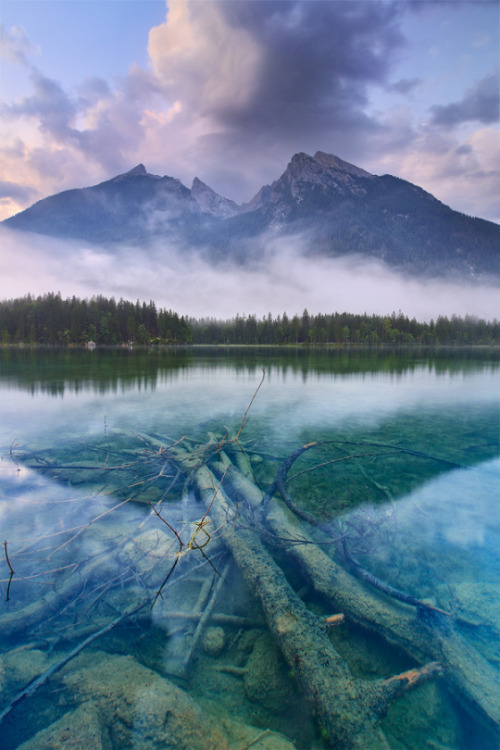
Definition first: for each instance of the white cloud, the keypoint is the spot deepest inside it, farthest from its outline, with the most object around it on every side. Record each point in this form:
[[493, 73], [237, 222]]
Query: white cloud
[[201, 61], [460, 168], [191, 286]]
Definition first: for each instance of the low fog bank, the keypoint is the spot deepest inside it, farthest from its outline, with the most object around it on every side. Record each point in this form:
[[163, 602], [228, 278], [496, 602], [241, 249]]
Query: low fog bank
[[192, 286]]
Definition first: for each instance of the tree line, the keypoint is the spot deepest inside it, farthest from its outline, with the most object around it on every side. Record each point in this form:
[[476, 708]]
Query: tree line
[[345, 328], [51, 320]]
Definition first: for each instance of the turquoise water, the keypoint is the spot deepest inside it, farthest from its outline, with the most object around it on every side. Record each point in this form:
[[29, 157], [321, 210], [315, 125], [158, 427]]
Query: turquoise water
[[139, 626]]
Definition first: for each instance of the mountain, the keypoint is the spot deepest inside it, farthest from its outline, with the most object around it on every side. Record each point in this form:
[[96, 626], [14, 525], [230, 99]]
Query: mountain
[[211, 203], [342, 210], [332, 208], [131, 207]]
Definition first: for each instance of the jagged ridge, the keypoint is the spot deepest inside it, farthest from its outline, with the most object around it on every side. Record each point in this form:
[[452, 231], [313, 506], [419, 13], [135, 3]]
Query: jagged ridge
[[336, 208]]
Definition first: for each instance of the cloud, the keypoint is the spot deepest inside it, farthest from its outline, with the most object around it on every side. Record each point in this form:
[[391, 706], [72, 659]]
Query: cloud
[[316, 60], [15, 45], [480, 103], [462, 171], [71, 140], [199, 59], [11, 194], [192, 286], [18, 192], [258, 81], [404, 85], [233, 90], [49, 104]]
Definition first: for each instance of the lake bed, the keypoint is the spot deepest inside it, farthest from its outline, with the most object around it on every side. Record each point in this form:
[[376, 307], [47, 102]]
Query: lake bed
[[113, 561]]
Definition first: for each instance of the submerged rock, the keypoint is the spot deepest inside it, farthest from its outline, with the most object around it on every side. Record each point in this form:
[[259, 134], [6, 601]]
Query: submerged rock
[[214, 640], [267, 679], [139, 708], [75, 730], [20, 666], [476, 605], [425, 718]]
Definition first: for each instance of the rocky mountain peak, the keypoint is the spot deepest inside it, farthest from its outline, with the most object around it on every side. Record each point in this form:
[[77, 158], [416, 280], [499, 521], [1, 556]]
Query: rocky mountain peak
[[338, 208], [324, 174], [330, 161], [211, 202], [139, 169]]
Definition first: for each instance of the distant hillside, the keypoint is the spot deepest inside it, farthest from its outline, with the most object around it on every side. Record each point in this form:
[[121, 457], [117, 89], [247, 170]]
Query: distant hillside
[[334, 208]]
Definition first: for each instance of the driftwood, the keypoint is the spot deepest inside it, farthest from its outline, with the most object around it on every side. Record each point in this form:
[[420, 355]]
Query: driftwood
[[386, 588], [424, 634], [347, 709]]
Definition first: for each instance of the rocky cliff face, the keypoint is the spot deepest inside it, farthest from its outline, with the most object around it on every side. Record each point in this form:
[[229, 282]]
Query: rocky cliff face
[[336, 208], [211, 202]]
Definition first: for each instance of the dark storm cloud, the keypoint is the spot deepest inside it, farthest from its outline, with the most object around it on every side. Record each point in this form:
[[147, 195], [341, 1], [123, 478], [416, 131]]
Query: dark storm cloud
[[481, 104], [317, 59], [269, 79], [404, 86]]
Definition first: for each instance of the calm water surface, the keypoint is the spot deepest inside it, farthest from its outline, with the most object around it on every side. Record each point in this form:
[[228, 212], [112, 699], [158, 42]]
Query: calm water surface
[[124, 608]]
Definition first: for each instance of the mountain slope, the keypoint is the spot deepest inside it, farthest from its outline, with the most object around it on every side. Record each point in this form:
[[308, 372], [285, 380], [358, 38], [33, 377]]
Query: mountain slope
[[346, 210], [130, 207], [330, 207]]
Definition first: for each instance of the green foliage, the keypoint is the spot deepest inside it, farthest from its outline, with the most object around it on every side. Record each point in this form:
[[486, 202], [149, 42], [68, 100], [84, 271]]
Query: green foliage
[[345, 329], [49, 319]]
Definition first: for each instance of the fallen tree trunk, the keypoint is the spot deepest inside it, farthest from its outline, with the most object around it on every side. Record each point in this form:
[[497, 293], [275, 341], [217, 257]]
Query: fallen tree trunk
[[348, 709], [424, 635]]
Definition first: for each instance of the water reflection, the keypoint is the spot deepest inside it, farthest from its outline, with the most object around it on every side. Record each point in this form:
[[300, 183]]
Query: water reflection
[[57, 372], [441, 543]]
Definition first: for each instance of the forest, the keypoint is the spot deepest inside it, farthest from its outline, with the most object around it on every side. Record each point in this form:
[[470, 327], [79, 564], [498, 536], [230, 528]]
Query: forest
[[51, 320]]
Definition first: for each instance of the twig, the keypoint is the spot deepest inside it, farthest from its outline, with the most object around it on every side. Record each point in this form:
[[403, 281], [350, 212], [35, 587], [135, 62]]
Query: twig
[[86, 525], [203, 619], [338, 460], [7, 597], [7, 558], [280, 479], [193, 544], [235, 621], [245, 415], [387, 588], [265, 733]]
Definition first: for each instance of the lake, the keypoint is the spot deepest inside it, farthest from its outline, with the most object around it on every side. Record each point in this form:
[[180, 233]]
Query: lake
[[245, 548]]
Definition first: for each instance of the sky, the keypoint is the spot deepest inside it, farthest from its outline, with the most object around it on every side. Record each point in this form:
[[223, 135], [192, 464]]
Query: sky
[[229, 90]]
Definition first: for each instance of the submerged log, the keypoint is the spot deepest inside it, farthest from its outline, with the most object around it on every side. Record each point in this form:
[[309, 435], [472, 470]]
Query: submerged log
[[347, 709], [424, 634]]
